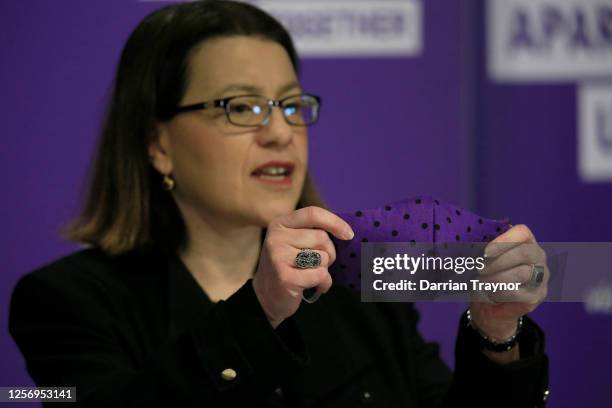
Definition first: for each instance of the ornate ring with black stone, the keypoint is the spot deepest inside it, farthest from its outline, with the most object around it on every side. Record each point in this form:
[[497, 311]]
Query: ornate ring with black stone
[[537, 276], [308, 258]]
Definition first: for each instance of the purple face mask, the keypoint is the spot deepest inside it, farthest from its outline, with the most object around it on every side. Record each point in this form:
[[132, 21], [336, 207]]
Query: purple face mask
[[419, 219]]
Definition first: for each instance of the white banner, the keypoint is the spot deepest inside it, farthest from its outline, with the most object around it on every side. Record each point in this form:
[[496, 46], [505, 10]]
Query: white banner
[[595, 132], [351, 28], [549, 40]]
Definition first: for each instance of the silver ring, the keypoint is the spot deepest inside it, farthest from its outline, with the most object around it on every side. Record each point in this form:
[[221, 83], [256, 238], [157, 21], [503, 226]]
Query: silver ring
[[537, 276], [308, 258]]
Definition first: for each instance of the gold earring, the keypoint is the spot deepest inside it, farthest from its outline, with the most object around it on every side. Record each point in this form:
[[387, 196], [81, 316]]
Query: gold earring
[[168, 183]]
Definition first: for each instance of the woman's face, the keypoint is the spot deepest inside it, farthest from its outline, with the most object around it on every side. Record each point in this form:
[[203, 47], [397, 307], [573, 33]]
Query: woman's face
[[217, 166]]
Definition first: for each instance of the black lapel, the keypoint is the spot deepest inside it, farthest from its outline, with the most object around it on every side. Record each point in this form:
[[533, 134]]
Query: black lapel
[[335, 353], [186, 299]]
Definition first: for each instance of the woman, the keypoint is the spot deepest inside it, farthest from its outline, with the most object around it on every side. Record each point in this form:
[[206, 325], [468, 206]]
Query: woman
[[199, 205]]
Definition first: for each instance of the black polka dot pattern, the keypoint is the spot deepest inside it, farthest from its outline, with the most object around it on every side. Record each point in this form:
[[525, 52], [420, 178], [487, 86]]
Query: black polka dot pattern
[[408, 221]]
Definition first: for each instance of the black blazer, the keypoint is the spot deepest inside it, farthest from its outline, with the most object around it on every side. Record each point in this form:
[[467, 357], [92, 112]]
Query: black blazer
[[137, 330]]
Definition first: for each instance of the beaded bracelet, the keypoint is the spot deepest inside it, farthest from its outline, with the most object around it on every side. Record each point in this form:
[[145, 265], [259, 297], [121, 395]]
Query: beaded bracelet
[[490, 344]]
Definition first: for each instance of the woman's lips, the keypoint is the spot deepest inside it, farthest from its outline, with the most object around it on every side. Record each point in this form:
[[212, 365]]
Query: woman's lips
[[275, 173], [283, 181]]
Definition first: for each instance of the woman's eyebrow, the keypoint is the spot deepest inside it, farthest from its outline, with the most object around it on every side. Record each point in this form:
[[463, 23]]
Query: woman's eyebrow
[[240, 87], [256, 90], [288, 87]]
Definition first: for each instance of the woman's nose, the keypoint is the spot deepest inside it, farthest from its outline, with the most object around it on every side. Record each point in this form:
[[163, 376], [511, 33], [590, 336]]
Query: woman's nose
[[276, 130]]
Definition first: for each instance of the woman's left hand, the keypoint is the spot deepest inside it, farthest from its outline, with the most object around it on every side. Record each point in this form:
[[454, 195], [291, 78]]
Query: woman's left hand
[[510, 257]]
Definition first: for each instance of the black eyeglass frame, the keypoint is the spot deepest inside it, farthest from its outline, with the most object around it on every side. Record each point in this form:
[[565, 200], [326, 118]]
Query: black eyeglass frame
[[225, 104]]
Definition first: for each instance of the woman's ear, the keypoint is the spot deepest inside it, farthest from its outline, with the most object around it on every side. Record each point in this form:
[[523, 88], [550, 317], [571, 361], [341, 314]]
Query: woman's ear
[[159, 150]]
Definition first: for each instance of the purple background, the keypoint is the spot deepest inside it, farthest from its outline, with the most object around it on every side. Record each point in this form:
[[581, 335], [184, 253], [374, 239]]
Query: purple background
[[444, 130]]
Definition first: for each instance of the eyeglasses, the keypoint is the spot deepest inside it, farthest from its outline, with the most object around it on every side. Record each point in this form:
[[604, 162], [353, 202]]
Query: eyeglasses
[[255, 110]]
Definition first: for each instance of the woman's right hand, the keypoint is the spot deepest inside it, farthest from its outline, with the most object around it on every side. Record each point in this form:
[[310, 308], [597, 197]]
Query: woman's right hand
[[278, 282]]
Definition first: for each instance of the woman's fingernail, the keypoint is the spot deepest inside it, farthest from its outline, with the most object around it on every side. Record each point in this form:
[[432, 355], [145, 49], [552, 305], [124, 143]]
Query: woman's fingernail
[[348, 233], [490, 251], [311, 295]]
